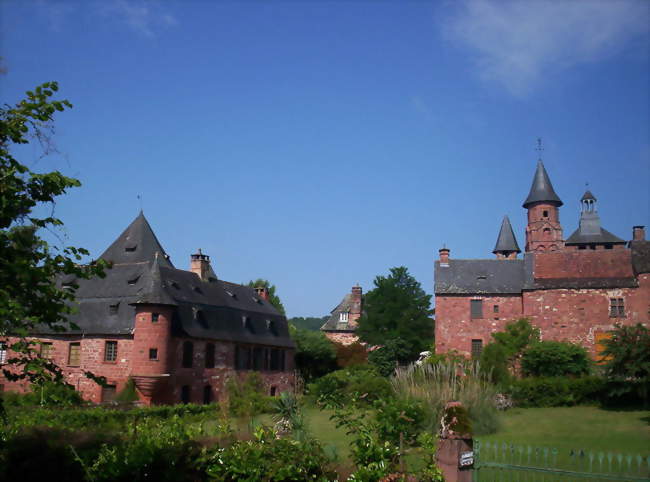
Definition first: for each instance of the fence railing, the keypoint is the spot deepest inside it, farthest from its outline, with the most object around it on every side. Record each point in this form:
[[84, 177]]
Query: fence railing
[[499, 461]]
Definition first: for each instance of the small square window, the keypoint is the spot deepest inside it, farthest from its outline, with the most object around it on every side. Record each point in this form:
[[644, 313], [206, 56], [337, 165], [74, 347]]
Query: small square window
[[617, 308], [155, 317], [153, 353], [110, 351], [495, 309], [113, 309], [46, 350], [130, 249]]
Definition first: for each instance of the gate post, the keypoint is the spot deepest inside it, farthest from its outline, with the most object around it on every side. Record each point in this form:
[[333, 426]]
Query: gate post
[[455, 455]]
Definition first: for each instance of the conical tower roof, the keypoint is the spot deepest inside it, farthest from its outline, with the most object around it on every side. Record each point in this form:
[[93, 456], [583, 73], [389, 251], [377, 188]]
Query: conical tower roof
[[506, 242], [588, 196], [153, 291], [136, 244], [542, 189]]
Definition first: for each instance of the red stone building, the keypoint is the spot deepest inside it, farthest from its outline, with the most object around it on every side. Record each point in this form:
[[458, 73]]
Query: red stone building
[[180, 335], [574, 290], [341, 326]]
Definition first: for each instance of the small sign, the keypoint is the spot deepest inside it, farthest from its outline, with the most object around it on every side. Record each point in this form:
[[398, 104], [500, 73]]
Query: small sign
[[466, 459]]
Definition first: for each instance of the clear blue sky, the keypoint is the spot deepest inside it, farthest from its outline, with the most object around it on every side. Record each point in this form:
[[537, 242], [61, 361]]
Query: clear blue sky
[[318, 144]]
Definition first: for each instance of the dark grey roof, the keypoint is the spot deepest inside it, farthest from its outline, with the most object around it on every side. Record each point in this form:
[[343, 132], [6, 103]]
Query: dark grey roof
[[584, 283], [137, 243], [588, 196], [598, 238], [506, 242], [207, 309], [541, 189], [480, 276], [333, 324], [640, 256]]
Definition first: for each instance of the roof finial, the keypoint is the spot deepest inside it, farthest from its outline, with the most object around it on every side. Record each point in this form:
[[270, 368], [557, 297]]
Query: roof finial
[[539, 147], [140, 201]]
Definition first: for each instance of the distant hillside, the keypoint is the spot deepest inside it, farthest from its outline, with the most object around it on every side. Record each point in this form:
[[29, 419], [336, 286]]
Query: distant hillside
[[309, 323]]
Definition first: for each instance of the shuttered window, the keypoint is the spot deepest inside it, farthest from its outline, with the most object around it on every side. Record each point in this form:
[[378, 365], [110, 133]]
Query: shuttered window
[[476, 309], [74, 354]]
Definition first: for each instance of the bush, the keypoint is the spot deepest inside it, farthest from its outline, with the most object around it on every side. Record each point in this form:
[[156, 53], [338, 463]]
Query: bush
[[128, 393], [315, 355], [494, 363], [269, 458], [47, 394], [557, 391], [352, 354], [342, 386], [554, 359], [247, 397], [435, 385], [394, 353]]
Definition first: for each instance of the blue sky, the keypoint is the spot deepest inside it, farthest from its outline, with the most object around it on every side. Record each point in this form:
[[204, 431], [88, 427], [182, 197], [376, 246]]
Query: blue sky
[[318, 144]]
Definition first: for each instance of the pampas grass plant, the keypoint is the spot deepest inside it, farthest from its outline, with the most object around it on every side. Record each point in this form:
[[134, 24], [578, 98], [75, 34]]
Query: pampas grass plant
[[445, 381]]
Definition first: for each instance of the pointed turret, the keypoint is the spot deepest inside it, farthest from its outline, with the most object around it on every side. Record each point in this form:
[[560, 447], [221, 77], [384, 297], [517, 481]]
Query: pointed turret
[[136, 244], [542, 190], [153, 289], [506, 247]]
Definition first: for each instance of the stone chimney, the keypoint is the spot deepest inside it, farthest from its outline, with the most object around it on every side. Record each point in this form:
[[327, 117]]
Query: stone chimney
[[200, 264], [444, 256], [638, 233], [262, 292], [356, 299]]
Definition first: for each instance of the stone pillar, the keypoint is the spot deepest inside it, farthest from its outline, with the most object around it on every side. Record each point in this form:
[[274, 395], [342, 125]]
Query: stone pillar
[[455, 446]]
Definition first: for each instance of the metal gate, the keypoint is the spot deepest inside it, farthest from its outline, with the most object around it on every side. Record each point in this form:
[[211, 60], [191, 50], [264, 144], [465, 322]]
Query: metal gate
[[501, 461]]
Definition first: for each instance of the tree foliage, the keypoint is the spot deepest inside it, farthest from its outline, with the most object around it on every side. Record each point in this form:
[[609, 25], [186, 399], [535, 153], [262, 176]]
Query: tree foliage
[[274, 299], [312, 323], [516, 337], [555, 359], [627, 366], [29, 294], [397, 307], [315, 354], [393, 353]]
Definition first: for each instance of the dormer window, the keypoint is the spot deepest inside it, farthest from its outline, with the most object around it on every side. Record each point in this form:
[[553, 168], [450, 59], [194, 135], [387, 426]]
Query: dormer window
[[248, 324], [130, 248], [343, 317], [196, 289], [176, 285], [231, 294], [133, 280], [112, 309], [272, 327]]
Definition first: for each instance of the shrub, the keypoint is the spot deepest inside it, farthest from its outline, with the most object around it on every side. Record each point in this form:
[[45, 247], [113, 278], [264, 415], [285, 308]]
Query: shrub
[[435, 385], [268, 458], [352, 354], [395, 352], [315, 355], [49, 394], [361, 382], [554, 359], [557, 391], [247, 397], [128, 393], [494, 363]]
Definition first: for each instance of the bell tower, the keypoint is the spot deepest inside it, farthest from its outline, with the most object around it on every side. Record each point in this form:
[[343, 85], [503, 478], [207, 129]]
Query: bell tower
[[544, 231]]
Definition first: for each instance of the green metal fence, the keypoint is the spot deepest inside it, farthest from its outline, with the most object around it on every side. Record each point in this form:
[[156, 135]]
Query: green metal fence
[[501, 461]]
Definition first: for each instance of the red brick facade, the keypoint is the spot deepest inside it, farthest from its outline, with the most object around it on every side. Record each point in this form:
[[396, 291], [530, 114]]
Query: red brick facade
[[571, 292]]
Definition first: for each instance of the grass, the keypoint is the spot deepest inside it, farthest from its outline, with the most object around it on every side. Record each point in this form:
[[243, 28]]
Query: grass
[[588, 428]]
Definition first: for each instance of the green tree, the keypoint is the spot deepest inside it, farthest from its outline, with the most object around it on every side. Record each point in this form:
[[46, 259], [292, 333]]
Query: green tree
[[393, 353], [516, 337], [274, 299], [29, 294], [315, 353], [308, 323], [627, 361], [555, 359], [397, 307]]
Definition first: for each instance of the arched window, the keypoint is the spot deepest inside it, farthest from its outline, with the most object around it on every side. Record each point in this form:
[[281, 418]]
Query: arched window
[[188, 354], [209, 355]]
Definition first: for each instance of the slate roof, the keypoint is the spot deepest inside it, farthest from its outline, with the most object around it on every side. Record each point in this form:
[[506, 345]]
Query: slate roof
[[506, 241], [333, 324], [588, 196], [207, 309], [602, 237], [542, 189], [481, 276]]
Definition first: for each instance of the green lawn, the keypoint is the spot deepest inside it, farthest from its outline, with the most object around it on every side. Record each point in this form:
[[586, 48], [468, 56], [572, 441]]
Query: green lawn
[[588, 428]]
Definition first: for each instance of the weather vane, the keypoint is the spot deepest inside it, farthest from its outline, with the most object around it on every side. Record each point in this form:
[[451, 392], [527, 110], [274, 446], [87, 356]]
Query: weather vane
[[140, 200], [539, 147]]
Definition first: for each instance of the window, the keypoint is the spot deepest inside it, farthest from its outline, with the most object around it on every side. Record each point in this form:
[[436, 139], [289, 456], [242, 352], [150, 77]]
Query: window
[[196, 289], [273, 391], [272, 327], [248, 324], [201, 319], [74, 354], [209, 355], [545, 214], [108, 393], [276, 360], [112, 309], [3, 352], [477, 348], [133, 280], [242, 358], [616, 308], [46, 350], [582, 246], [609, 246], [207, 395], [258, 359], [153, 353], [495, 309], [110, 351], [188, 354], [155, 317], [476, 309], [130, 248], [600, 340], [185, 394]]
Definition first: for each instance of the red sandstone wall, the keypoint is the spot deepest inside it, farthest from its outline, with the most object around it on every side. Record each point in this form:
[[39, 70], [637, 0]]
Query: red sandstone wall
[[584, 264], [92, 359], [455, 329]]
